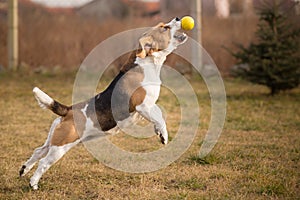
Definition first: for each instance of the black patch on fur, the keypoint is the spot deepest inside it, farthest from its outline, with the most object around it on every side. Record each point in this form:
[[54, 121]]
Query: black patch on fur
[[99, 108], [59, 108]]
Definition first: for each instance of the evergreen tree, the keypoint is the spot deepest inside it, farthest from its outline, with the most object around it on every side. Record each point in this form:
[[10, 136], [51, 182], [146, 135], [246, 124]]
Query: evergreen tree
[[274, 60]]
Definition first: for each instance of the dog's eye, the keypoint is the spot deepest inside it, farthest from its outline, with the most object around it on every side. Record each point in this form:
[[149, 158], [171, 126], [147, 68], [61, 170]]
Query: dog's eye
[[165, 28]]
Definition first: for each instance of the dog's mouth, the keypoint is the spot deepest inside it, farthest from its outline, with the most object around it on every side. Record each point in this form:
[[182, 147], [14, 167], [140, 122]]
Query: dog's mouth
[[176, 24], [180, 37]]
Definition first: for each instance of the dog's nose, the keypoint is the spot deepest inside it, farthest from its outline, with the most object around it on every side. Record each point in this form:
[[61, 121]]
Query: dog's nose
[[177, 19]]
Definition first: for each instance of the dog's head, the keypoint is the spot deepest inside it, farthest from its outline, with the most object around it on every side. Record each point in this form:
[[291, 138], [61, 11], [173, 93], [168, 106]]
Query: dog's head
[[161, 38]]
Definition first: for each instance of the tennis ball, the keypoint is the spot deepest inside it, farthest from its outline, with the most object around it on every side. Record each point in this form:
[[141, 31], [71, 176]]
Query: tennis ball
[[187, 23]]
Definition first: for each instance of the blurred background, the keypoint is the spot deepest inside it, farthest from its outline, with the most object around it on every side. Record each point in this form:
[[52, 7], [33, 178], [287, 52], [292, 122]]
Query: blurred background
[[58, 35]]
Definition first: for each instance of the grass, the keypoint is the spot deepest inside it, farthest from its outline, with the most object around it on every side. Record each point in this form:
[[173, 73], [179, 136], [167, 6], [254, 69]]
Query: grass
[[256, 157]]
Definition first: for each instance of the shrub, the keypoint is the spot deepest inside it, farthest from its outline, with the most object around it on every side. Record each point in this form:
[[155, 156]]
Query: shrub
[[274, 59]]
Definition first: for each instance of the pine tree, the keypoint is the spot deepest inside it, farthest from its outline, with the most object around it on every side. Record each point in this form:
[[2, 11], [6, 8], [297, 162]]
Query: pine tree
[[274, 60]]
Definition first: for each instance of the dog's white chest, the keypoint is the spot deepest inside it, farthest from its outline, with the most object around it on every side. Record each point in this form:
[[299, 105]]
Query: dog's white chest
[[152, 93], [151, 82]]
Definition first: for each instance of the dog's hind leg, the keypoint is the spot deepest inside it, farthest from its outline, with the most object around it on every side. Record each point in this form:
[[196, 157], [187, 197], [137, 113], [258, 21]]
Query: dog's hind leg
[[39, 152], [54, 154]]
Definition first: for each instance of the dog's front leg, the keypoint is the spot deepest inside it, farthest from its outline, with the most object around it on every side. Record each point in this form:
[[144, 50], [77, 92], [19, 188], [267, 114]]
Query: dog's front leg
[[154, 114]]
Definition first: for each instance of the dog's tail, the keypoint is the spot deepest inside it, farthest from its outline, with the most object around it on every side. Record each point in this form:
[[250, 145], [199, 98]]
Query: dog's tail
[[47, 102]]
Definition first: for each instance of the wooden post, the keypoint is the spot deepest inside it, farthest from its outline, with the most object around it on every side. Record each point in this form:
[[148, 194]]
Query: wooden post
[[13, 35], [197, 32], [248, 7], [297, 7], [199, 20]]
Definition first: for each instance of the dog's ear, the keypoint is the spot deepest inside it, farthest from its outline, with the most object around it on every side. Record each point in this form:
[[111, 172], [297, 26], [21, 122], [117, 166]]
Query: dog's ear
[[146, 45], [153, 40]]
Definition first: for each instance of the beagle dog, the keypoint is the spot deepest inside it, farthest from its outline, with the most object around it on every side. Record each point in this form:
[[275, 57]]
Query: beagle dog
[[134, 90]]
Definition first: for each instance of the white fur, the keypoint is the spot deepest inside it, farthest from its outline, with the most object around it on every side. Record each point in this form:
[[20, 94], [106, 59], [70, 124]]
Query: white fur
[[41, 151], [90, 129], [53, 155], [43, 99], [151, 84]]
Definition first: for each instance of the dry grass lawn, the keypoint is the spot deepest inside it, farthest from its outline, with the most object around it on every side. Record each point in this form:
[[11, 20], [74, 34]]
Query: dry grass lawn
[[257, 155]]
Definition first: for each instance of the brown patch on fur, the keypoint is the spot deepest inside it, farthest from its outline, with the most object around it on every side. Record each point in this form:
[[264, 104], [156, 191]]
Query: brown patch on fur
[[65, 132], [130, 63], [137, 98], [119, 99], [131, 85], [146, 44], [80, 121]]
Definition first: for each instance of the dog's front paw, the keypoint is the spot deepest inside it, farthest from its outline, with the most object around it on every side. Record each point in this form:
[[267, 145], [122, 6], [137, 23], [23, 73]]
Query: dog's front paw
[[163, 138], [162, 134]]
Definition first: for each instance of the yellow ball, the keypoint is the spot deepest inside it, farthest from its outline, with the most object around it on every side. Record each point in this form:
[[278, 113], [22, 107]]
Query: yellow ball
[[187, 23]]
